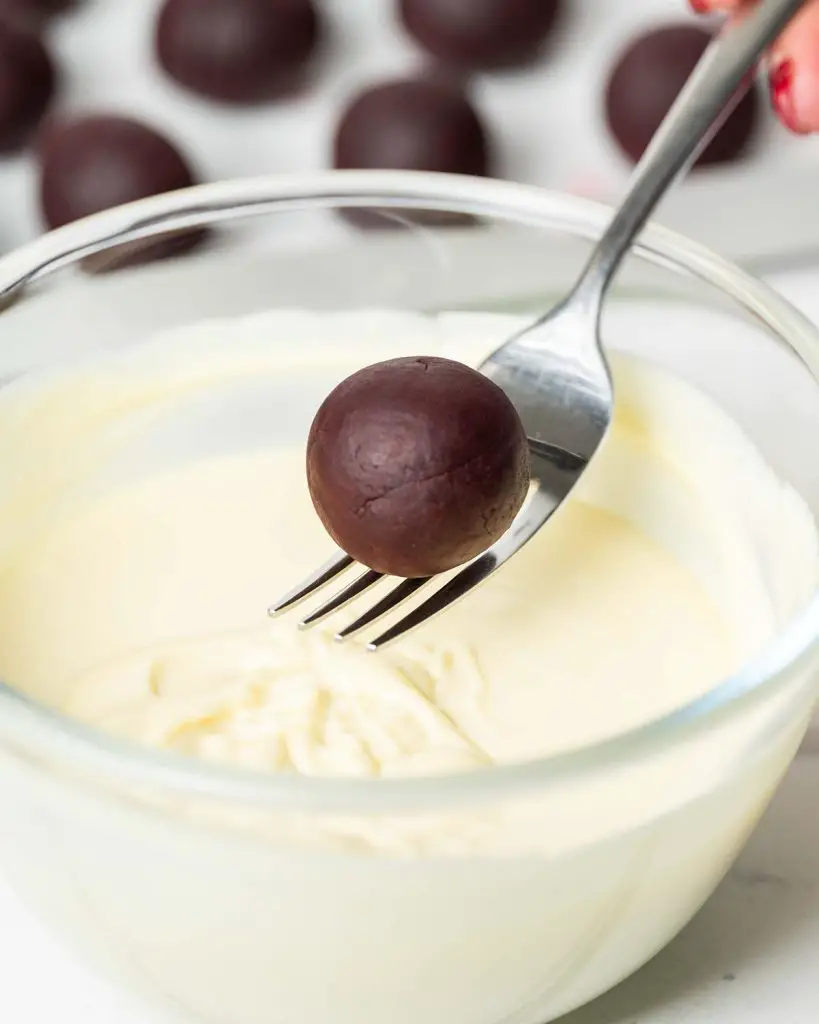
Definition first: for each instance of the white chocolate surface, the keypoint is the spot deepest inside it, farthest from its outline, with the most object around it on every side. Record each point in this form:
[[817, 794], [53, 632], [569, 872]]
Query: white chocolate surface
[[639, 596]]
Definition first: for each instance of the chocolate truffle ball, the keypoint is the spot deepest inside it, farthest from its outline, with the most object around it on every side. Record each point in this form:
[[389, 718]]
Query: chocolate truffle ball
[[414, 124], [27, 84], [417, 465], [646, 80], [32, 14], [481, 34], [237, 51], [97, 162]]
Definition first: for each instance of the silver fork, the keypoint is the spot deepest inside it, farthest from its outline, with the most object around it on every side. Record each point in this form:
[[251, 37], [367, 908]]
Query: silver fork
[[555, 371]]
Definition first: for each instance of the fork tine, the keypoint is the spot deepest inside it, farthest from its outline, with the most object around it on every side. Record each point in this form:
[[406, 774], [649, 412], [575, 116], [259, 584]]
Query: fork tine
[[396, 597], [326, 574], [458, 587], [538, 511], [360, 585]]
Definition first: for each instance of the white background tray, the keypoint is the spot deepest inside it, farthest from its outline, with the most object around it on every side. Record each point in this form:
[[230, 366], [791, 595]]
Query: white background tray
[[548, 120]]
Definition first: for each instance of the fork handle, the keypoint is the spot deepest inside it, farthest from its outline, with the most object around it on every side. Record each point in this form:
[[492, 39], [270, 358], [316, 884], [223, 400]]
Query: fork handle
[[716, 85]]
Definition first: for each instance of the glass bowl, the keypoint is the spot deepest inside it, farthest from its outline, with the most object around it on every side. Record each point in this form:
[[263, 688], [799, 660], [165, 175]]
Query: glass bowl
[[237, 898]]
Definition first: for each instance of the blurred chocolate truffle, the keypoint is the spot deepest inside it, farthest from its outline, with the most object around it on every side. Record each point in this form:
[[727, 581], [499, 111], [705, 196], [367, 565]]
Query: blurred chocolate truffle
[[237, 51], [413, 124], [417, 465], [481, 34], [646, 80], [27, 84], [418, 124], [93, 163], [32, 14]]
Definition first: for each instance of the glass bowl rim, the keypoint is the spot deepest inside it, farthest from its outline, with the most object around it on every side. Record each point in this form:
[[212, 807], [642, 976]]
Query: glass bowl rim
[[23, 720]]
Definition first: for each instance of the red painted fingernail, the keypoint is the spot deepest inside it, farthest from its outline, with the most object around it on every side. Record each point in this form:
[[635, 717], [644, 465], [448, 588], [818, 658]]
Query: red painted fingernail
[[781, 85], [700, 6]]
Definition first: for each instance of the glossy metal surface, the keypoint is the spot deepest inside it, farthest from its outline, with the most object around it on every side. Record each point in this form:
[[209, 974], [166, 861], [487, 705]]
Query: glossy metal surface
[[555, 372]]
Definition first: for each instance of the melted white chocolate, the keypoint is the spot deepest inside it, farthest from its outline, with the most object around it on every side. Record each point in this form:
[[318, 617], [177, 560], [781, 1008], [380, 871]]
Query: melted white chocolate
[[150, 585]]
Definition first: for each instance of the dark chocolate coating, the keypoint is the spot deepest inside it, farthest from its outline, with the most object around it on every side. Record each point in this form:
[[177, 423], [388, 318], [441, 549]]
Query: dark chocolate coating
[[417, 465], [646, 80], [32, 14], [413, 124], [481, 34], [237, 51], [28, 81], [93, 163]]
